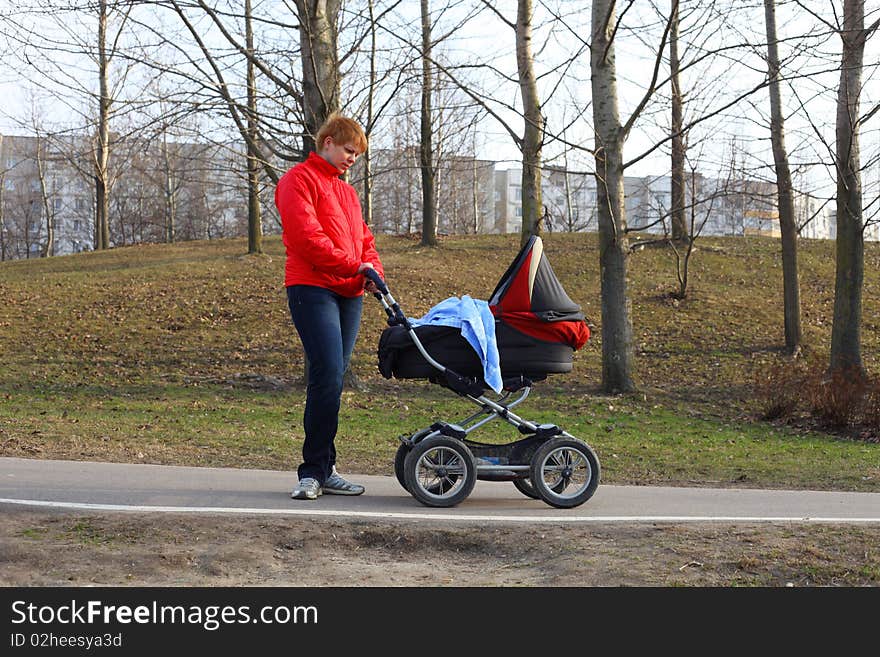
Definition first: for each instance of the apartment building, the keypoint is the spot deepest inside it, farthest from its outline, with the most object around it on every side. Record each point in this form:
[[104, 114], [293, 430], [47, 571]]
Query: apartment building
[[465, 192], [160, 191], [164, 190], [713, 206], [36, 182]]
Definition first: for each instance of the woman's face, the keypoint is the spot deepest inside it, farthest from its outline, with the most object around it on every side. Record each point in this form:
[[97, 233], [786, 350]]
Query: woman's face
[[341, 156]]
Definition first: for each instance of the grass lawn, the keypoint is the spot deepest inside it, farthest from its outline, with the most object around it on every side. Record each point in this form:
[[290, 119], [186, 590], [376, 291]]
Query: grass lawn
[[185, 354]]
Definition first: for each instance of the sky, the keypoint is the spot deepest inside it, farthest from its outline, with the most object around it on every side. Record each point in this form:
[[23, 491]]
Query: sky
[[737, 134]]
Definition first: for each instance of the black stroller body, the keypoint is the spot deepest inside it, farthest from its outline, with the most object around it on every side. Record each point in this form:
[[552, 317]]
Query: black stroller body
[[537, 329]]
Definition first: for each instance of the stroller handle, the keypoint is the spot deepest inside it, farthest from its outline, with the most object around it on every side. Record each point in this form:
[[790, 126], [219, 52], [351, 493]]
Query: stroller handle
[[374, 276], [396, 317], [392, 308]]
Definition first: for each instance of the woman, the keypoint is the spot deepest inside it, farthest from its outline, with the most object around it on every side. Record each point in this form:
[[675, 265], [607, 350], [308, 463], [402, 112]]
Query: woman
[[328, 248]]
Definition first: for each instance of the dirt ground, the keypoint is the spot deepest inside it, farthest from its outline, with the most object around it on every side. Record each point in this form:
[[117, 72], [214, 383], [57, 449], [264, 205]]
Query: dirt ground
[[39, 548]]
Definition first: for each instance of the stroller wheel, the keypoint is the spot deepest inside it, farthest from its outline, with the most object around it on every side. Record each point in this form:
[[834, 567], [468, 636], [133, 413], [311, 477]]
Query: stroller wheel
[[399, 459], [564, 472], [440, 471], [524, 486]]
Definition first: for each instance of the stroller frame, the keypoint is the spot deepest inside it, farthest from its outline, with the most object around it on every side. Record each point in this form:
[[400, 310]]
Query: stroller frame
[[439, 465]]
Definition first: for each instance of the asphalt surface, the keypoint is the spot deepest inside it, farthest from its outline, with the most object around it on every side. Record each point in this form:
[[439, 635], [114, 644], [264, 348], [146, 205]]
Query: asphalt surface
[[140, 488]]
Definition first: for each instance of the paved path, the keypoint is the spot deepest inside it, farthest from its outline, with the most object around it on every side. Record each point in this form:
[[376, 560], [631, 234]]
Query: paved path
[[123, 487]]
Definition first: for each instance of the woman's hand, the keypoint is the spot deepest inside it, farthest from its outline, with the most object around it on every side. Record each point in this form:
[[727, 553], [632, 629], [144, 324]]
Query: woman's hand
[[369, 285]]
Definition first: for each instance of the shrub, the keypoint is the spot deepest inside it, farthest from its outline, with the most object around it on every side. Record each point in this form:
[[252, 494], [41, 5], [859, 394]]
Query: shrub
[[780, 388], [871, 412], [837, 400], [844, 400]]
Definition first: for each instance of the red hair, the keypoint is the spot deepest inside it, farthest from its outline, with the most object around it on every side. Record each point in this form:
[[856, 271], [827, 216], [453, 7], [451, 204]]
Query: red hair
[[342, 131]]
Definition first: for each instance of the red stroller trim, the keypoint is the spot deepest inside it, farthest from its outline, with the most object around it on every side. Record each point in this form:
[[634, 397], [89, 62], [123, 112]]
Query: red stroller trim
[[572, 333], [530, 298]]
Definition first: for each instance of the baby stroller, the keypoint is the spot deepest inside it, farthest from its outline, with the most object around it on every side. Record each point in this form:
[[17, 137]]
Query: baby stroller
[[537, 329]]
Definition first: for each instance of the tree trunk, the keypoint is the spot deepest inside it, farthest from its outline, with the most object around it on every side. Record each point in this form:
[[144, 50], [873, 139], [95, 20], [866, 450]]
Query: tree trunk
[[617, 341], [49, 244], [475, 188], [255, 221], [102, 154], [170, 190], [846, 327], [426, 148], [533, 135], [368, 189], [569, 210], [787, 223], [368, 160], [684, 261], [678, 216], [318, 29], [2, 205]]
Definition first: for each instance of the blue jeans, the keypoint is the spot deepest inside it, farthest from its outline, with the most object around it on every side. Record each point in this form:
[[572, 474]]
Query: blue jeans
[[327, 324]]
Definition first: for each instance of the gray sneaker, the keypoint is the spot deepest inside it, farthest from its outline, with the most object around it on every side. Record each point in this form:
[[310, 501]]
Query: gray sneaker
[[307, 489], [336, 485]]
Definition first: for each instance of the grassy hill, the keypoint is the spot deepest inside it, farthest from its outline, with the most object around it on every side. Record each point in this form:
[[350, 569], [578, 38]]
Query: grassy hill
[[186, 354]]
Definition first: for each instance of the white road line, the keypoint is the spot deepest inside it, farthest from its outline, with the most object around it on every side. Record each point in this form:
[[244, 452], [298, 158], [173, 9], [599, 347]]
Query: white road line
[[425, 516]]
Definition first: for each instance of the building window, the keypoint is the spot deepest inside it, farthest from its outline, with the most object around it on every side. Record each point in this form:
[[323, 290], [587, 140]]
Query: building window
[[517, 193], [518, 212], [497, 195], [80, 204], [77, 224], [57, 204]]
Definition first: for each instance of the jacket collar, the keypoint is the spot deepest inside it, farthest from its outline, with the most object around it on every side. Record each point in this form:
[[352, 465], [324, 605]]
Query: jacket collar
[[322, 165]]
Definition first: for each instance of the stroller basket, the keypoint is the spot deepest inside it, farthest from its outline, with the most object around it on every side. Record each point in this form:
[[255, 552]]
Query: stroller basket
[[537, 329]]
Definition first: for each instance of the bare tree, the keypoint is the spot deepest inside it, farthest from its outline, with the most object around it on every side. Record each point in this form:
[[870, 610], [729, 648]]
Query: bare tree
[[426, 149], [3, 239], [69, 49], [533, 133], [22, 203], [846, 328], [318, 31], [171, 185], [610, 135], [677, 186], [102, 137], [214, 81], [255, 222], [784, 190], [532, 140], [617, 336], [700, 210], [376, 87], [368, 156], [41, 155], [319, 63]]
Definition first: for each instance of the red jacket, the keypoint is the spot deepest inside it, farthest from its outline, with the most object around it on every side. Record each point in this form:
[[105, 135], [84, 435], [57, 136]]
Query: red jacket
[[323, 229]]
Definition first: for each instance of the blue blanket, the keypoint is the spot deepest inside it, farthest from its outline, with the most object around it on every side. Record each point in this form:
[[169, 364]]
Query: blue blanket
[[477, 325]]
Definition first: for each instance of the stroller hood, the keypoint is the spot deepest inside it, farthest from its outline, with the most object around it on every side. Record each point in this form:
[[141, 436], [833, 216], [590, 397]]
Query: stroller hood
[[530, 298]]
